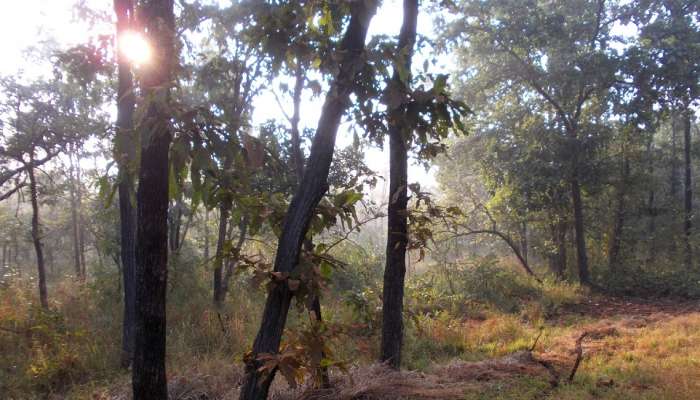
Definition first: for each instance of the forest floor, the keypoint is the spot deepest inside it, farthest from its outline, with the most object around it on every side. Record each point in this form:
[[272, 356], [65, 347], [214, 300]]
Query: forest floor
[[630, 349]]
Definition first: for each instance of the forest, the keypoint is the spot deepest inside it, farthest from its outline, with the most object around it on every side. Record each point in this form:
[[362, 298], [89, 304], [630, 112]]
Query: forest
[[350, 199]]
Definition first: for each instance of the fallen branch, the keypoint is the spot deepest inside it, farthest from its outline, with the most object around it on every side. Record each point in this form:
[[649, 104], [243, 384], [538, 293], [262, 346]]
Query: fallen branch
[[534, 344], [579, 355]]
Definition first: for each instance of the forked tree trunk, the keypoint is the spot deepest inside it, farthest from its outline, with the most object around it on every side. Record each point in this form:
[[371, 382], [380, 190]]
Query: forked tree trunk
[[314, 185], [397, 221], [688, 195], [127, 214], [148, 373], [36, 238]]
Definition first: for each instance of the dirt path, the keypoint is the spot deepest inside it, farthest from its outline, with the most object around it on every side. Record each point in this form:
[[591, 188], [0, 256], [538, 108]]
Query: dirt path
[[600, 307]]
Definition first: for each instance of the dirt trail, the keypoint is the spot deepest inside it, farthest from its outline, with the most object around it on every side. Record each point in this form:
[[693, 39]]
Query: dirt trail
[[599, 307]]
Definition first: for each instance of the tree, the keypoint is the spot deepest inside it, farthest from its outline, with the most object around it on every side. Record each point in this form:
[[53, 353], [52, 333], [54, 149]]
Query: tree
[[670, 61], [156, 77], [125, 156], [37, 120], [311, 190], [397, 223], [559, 53]]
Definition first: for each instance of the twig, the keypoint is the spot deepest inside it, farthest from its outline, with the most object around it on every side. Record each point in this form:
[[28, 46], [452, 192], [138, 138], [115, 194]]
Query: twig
[[221, 322], [579, 355], [534, 344]]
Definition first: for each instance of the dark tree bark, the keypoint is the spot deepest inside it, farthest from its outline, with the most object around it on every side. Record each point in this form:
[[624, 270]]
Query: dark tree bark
[[675, 181], [232, 263], [524, 247], [127, 213], [651, 205], [312, 188], [36, 238], [74, 222], [224, 210], [688, 194], [397, 221], [557, 260], [148, 373], [81, 220], [619, 223], [298, 161], [581, 256], [206, 235]]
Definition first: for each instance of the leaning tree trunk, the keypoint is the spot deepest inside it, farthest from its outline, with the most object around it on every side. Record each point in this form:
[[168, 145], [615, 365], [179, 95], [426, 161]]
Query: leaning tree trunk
[[298, 161], [148, 374], [36, 237], [397, 221], [313, 186], [124, 145], [688, 195]]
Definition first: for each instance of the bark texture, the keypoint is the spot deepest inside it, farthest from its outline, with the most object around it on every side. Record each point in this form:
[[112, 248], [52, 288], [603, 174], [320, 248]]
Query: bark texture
[[124, 10], [36, 238], [312, 188], [397, 224], [688, 194], [148, 373], [581, 255]]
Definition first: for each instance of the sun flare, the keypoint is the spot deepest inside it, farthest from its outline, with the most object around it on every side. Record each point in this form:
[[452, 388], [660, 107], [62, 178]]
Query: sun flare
[[135, 47]]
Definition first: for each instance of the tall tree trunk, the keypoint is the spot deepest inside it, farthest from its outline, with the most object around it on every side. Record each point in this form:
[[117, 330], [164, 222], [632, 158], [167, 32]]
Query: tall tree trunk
[[232, 263], [81, 219], [224, 210], [124, 149], [651, 204], [74, 221], [581, 256], [557, 258], [675, 181], [206, 234], [298, 160], [313, 186], [397, 224], [36, 237], [523, 241], [148, 373], [688, 198], [619, 223]]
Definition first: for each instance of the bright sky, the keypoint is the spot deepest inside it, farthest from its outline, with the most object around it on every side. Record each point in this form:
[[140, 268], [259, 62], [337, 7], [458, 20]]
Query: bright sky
[[25, 22]]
